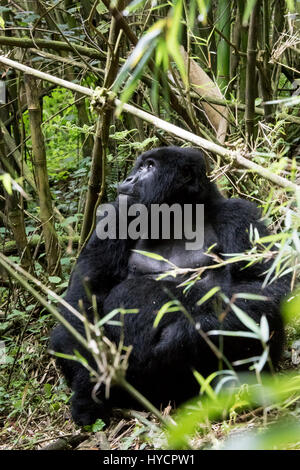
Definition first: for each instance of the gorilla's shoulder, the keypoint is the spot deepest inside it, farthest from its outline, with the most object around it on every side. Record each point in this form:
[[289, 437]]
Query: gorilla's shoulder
[[234, 216], [236, 207]]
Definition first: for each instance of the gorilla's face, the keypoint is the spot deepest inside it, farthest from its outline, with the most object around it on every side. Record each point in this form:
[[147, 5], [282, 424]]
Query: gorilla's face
[[138, 186], [167, 175]]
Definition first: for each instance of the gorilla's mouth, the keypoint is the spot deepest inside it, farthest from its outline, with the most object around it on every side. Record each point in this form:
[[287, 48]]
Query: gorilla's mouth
[[123, 193], [128, 194]]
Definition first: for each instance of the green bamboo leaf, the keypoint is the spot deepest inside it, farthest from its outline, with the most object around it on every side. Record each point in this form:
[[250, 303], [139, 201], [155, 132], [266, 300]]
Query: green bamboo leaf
[[203, 6], [243, 334], [264, 329], [231, 378], [246, 361], [208, 295], [133, 6], [152, 255], [76, 357], [166, 274], [133, 82], [107, 318], [290, 5], [262, 361], [172, 38], [274, 238], [205, 384], [161, 51], [138, 53], [249, 296], [246, 320], [54, 279], [7, 183], [248, 10], [171, 306]]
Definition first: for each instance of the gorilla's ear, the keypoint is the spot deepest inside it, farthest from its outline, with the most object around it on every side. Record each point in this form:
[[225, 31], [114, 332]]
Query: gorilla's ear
[[187, 175]]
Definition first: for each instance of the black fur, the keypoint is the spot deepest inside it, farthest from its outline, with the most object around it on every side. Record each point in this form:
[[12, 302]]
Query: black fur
[[161, 363]]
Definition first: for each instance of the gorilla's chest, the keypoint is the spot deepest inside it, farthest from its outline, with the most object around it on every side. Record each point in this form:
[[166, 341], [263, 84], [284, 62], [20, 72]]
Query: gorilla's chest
[[174, 251]]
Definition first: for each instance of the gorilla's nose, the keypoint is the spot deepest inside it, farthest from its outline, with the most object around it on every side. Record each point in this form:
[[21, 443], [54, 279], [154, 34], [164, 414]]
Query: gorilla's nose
[[127, 186]]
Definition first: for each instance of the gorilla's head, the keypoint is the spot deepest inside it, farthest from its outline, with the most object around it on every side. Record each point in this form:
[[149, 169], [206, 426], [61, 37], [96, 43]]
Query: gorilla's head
[[168, 175]]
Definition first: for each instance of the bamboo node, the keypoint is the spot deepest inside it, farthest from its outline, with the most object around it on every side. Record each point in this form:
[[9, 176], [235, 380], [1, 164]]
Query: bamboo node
[[101, 99]]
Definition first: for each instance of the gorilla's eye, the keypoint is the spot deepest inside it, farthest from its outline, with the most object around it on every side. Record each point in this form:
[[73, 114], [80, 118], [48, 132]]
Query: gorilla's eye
[[150, 164]]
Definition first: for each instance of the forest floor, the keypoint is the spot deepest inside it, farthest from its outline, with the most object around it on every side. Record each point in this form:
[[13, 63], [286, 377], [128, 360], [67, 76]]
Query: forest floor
[[34, 412]]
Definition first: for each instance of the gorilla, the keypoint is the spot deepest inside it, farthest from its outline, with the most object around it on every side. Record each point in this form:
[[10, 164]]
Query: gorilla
[[120, 275]]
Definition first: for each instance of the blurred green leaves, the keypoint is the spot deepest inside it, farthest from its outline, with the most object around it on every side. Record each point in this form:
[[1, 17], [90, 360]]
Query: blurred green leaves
[[291, 307], [272, 392], [132, 70], [163, 38]]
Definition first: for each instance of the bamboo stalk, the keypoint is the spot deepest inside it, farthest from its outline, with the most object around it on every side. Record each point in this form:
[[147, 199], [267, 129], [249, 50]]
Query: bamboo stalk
[[264, 68], [278, 21], [235, 39], [96, 184], [10, 144], [15, 216], [41, 175], [250, 72], [161, 124], [223, 49], [26, 43], [242, 53]]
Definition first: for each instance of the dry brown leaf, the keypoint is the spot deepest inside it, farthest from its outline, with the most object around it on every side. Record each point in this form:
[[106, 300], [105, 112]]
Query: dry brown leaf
[[205, 87]]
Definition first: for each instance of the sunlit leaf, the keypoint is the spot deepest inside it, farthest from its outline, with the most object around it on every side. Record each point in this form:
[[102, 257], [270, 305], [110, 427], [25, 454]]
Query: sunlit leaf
[[172, 38], [146, 42], [133, 81], [107, 318], [264, 328], [231, 378], [205, 384], [133, 6], [249, 296], [246, 320], [54, 279], [262, 360], [152, 255], [244, 334], [7, 182], [291, 307], [171, 306], [203, 6], [291, 5], [208, 295]]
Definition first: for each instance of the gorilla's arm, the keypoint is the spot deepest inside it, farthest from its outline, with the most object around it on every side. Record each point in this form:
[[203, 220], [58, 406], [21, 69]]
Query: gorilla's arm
[[176, 343], [176, 337], [232, 220], [101, 265]]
